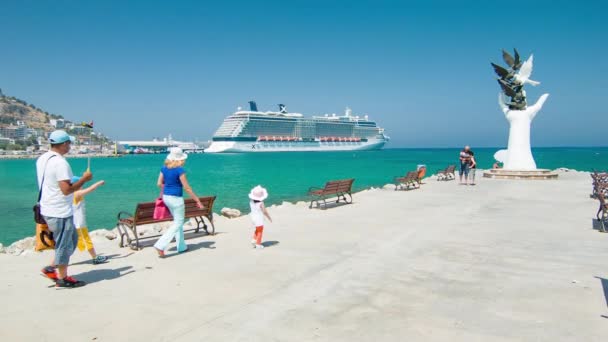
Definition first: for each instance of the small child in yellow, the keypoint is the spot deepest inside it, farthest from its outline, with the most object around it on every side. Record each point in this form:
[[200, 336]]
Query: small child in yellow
[[80, 221]]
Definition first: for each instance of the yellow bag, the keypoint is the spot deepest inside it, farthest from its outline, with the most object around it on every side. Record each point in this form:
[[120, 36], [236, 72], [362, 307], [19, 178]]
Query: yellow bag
[[44, 238]]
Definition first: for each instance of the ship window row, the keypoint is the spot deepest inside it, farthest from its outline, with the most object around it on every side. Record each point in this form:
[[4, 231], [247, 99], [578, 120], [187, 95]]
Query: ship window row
[[303, 129]]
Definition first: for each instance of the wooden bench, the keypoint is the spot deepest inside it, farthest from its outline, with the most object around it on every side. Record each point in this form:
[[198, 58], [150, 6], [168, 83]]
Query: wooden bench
[[407, 182], [447, 174], [144, 212], [339, 188]]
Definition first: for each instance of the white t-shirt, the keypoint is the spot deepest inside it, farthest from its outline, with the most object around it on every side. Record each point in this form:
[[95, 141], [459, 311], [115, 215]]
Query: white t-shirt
[[53, 202], [257, 216]]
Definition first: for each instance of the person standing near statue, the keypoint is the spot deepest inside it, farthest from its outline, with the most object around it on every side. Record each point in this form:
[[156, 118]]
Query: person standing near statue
[[472, 167], [465, 159], [54, 179]]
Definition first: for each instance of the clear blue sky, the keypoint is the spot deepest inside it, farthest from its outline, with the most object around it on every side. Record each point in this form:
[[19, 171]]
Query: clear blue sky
[[144, 69]]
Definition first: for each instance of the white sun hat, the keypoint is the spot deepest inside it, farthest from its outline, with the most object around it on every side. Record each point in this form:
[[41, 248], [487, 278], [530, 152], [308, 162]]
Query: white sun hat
[[176, 154], [258, 193]]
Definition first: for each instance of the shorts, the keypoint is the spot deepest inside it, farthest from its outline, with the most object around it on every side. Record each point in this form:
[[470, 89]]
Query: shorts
[[66, 238], [84, 240], [464, 169]]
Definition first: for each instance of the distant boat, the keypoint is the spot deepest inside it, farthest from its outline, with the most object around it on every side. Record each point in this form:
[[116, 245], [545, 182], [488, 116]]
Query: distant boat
[[255, 131]]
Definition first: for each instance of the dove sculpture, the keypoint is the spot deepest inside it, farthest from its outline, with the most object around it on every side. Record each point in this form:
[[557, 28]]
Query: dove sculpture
[[523, 76]]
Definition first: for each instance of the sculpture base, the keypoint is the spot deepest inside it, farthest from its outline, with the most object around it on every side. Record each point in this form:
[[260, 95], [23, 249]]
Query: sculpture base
[[538, 174]]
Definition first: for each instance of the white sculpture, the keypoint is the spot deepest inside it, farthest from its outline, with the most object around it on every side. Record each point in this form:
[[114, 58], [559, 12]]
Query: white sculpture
[[523, 75], [519, 154], [512, 101]]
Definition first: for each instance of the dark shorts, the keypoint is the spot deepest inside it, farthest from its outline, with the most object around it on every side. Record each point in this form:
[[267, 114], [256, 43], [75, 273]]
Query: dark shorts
[[65, 236]]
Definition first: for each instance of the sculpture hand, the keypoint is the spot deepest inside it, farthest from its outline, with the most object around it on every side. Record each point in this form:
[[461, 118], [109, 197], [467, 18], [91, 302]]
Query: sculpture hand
[[529, 112], [535, 108]]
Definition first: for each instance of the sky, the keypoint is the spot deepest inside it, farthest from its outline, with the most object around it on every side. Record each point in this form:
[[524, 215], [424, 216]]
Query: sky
[[420, 69]]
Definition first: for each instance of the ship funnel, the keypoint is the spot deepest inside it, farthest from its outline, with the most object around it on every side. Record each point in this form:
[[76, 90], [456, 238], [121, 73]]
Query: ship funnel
[[282, 108], [253, 106]]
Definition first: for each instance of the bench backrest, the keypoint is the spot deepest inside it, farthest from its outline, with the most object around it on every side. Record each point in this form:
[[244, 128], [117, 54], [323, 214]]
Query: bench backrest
[[336, 186], [144, 212]]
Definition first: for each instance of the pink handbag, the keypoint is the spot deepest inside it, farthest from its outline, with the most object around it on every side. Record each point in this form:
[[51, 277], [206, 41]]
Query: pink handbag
[[160, 209]]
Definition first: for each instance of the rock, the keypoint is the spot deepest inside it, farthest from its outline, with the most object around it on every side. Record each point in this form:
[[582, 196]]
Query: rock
[[14, 250], [23, 244], [389, 187], [110, 236], [99, 233], [230, 213]]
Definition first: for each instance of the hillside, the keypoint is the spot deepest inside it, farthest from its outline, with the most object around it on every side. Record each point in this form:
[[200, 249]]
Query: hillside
[[13, 110], [23, 124]]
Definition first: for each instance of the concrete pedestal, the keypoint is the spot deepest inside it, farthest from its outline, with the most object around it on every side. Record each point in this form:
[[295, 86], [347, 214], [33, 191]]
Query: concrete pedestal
[[538, 174]]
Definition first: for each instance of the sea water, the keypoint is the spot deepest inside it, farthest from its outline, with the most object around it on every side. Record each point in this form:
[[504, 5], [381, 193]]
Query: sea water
[[287, 176]]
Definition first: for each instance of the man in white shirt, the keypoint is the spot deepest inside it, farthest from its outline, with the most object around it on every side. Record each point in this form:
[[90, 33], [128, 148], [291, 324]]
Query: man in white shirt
[[54, 178]]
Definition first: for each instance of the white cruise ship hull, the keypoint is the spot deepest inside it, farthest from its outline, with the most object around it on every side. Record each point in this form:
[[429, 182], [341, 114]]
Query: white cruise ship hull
[[291, 146]]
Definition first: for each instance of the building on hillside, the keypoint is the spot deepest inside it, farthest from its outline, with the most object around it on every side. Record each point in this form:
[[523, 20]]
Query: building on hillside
[[4, 140], [14, 132], [57, 123]]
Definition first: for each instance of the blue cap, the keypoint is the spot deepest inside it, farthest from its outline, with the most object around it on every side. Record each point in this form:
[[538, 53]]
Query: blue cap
[[59, 137], [75, 179]]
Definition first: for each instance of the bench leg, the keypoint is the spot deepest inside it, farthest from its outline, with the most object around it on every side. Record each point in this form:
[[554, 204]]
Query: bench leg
[[199, 221], [212, 231], [349, 195], [136, 247], [122, 235]]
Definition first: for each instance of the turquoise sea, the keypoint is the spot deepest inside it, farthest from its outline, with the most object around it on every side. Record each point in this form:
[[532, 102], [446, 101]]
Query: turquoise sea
[[287, 176]]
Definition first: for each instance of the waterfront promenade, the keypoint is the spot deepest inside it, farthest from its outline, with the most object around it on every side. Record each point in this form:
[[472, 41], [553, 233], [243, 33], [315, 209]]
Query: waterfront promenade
[[500, 261]]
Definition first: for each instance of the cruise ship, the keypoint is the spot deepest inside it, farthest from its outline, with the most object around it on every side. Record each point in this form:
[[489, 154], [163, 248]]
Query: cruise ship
[[282, 131]]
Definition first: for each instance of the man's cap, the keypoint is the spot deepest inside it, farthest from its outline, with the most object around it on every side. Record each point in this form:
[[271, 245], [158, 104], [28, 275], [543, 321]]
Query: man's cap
[[59, 137]]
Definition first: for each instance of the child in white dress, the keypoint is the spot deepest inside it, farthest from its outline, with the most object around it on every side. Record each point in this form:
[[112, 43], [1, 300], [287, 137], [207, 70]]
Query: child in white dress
[[258, 211]]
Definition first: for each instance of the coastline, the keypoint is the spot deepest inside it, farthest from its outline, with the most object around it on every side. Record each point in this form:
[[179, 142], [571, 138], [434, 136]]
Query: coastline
[[26, 245], [84, 155]]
